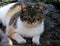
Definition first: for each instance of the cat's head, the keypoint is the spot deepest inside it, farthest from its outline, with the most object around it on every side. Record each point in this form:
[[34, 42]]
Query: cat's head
[[32, 13]]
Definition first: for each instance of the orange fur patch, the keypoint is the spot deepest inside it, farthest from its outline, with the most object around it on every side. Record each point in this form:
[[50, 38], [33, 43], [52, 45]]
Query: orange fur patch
[[12, 11], [10, 29]]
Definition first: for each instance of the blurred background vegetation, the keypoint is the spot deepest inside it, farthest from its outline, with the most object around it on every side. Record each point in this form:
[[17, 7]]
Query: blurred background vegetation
[[4, 1], [46, 1], [55, 2]]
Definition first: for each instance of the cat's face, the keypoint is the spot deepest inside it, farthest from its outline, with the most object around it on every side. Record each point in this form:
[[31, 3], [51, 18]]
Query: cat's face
[[32, 14]]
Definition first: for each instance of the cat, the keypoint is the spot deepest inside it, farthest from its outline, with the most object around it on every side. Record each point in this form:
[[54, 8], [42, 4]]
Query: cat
[[30, 22]]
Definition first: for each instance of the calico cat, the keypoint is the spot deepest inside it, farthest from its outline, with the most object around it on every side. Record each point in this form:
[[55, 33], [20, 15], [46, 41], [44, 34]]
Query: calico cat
[[29, 22]]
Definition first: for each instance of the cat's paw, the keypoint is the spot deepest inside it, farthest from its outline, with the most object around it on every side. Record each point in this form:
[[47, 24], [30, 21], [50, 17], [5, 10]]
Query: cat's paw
[[35, 40], [21, 41], [18, 38]]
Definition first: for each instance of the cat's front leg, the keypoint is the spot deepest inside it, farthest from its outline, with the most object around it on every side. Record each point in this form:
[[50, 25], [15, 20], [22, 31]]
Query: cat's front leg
[[14, 35], [18, 38], [35, 39]]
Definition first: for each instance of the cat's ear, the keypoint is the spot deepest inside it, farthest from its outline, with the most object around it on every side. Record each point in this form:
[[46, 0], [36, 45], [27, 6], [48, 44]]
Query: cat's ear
[[41, 6], [22, 5]]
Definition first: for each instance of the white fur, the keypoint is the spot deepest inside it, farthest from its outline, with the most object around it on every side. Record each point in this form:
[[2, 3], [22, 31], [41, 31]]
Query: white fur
[[3, 12], [36, 39], [18, 38]]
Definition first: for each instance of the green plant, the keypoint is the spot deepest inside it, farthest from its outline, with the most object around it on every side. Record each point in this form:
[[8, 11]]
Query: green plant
[[5, 1]]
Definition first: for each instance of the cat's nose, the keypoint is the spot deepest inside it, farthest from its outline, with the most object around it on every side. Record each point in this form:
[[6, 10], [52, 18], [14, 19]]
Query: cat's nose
[[29, 22]]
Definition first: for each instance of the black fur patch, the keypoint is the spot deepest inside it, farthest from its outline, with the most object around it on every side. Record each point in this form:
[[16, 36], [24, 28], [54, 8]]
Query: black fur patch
[[14, 17]]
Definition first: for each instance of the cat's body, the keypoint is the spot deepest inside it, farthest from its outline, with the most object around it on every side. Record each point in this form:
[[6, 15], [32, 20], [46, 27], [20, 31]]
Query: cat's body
[[29, 31], [26, 27]]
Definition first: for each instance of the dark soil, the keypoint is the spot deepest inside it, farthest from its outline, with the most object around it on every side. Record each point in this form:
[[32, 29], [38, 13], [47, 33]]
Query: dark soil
[[51, 35]]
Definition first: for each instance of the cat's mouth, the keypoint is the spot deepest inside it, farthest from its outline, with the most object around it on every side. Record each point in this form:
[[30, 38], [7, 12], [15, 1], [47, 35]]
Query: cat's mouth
[[30, 24]]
